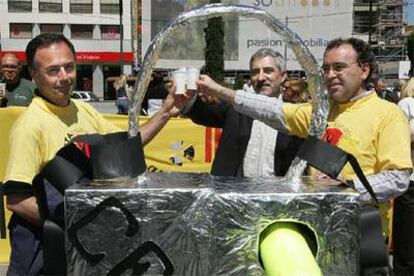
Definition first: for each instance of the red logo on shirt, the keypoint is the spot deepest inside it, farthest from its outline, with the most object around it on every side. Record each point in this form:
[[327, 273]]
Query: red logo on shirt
[[84, 147], [332, 136]]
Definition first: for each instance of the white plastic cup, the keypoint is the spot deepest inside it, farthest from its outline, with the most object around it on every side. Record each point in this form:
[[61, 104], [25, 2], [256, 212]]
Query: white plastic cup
[[192, 76], [2, 89], [179, 77]]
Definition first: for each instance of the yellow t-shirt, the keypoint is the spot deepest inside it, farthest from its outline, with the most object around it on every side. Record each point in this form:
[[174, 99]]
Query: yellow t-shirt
[[373, 130], [43, 129]]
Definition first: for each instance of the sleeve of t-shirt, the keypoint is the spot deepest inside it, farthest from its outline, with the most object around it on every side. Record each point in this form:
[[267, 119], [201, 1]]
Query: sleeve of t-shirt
[[297, 118], [394, 142], [407, 106], [25, 155]]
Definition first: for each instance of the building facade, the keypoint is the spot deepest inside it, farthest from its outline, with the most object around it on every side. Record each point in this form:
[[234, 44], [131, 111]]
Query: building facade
[[382, 24], [93, 26]]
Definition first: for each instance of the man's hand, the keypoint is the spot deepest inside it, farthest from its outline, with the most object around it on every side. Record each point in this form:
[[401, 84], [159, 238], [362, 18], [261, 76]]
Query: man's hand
[[180, 101], [25, 206], [209, 87], [208, 99], [169, 106], [322, 176]]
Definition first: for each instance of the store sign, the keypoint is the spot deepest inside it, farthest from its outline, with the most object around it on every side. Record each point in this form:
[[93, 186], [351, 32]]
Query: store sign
[[87, 56], [315, 21], [103, 57]]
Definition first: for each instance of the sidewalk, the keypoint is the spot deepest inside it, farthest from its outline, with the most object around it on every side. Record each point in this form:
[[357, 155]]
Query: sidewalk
[[105, 106], [3, 269]]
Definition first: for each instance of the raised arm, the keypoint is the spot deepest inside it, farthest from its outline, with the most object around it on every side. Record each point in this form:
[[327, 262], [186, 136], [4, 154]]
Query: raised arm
[[260, 107], [158, 120]]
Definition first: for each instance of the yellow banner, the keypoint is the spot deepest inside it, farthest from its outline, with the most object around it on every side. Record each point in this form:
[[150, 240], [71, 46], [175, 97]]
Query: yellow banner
[[181, 146]]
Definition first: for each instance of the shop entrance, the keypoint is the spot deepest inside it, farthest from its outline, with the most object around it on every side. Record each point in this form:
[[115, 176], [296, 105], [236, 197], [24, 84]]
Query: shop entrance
[[84, 77], [111, 72]]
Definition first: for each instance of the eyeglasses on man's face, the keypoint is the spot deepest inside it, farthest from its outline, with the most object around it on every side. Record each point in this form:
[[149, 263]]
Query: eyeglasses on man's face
[[337, 67]]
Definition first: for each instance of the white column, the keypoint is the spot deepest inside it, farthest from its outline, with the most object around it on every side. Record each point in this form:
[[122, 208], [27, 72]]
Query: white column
[[66, 7], [96, 32], [98, 80], [66, 31]]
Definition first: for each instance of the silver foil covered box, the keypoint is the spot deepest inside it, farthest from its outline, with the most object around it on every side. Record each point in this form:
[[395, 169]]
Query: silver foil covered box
[[194, 224]]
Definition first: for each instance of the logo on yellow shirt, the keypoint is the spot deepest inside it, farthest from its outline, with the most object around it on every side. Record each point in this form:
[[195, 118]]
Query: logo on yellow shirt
[[332, 136]]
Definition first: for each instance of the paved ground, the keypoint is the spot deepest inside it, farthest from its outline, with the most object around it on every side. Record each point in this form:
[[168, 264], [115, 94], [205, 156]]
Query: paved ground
[[105, 106], [3, 269]]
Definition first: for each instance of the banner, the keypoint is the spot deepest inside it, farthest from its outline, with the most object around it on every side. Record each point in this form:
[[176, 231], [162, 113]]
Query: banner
[[315, 21], [181, 146]]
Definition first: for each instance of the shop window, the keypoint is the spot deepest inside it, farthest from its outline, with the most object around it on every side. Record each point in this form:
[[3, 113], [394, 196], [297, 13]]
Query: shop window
[[110, 6], [81, 31], [51, 28], [19, 5], [54, 6], [20, 30], [110, 32], [81, 6]]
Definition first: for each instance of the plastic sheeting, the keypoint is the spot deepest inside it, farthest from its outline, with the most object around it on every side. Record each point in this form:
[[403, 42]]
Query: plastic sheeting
[[194, 224]]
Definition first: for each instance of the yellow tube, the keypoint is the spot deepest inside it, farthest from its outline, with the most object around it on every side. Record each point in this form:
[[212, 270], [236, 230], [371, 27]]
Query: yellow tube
[[284, 251]]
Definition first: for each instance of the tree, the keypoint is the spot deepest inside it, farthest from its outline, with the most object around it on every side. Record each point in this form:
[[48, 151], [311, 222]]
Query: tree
[[239, 82], [214, 52]]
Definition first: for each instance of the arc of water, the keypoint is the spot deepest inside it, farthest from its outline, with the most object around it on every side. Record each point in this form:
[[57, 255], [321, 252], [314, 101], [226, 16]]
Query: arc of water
[[316, 86]]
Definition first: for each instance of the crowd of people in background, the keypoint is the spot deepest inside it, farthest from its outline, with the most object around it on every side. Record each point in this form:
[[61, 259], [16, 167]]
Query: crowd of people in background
[[265, 150]]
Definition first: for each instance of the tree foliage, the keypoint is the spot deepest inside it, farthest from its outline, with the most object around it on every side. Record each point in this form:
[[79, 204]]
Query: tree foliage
[[214, 52]]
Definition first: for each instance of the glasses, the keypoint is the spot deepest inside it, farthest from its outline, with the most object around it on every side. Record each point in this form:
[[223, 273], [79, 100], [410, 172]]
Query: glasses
[[337, 67]]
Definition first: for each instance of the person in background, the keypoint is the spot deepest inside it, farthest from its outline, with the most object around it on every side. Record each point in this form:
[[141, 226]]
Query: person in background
[[403, 214], [19, 91], [122, 89], [397, 88], [295, 91], [156, 94], [385, 93], [48, 124]]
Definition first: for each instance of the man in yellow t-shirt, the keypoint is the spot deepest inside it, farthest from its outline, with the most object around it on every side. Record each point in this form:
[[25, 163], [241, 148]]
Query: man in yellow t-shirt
[[359, 122], [50, 121]]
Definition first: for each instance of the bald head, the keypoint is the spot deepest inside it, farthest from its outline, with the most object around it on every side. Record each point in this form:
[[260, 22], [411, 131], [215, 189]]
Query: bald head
[[9, 56], [10, 68]]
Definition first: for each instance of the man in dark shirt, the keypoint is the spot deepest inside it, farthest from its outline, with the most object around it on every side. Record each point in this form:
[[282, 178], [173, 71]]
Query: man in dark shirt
[[19, 91]]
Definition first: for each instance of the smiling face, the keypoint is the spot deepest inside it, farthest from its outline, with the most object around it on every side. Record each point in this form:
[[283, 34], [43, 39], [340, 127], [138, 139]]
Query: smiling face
[[265, 77], [344, 76], [55, 72], [10, 68]]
